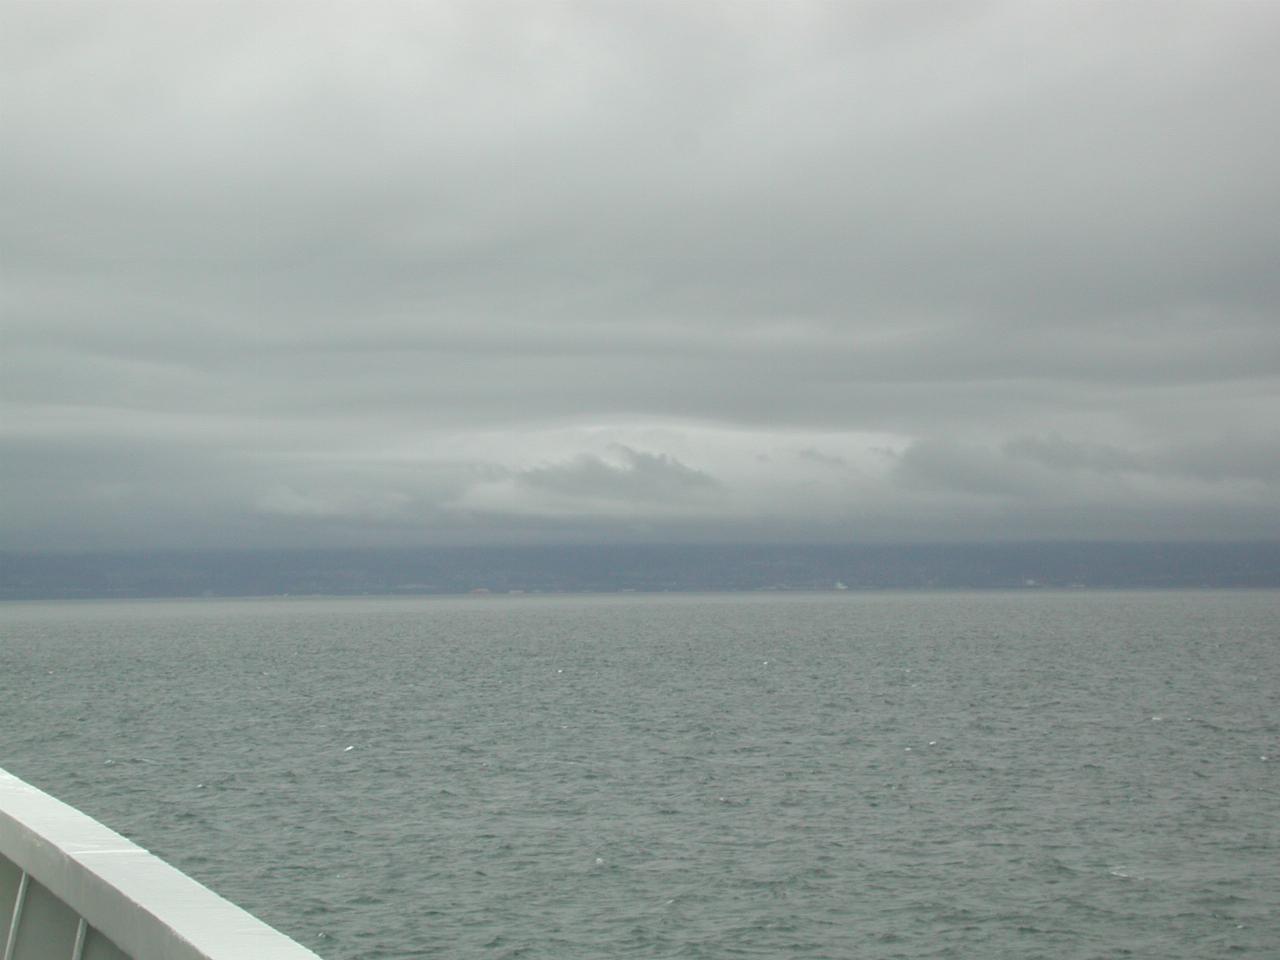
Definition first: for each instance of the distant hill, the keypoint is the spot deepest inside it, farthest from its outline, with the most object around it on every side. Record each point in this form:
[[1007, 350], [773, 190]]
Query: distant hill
[[640, 568]]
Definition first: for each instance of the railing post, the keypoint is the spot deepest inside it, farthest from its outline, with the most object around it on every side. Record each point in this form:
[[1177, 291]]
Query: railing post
[[82, 930], [18, 901]]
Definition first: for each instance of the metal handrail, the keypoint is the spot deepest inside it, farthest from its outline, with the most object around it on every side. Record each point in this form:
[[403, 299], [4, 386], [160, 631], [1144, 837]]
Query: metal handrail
[[148, 909]]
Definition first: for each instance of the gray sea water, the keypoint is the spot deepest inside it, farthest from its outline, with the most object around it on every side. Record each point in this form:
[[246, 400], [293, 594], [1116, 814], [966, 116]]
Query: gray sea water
[[1017, 775]]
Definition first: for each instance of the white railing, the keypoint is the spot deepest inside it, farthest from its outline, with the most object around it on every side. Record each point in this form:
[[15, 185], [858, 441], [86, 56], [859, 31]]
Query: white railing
[[72, 888]]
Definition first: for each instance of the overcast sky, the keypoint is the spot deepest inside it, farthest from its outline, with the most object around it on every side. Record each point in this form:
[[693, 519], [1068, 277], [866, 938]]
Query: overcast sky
[[417, 273]]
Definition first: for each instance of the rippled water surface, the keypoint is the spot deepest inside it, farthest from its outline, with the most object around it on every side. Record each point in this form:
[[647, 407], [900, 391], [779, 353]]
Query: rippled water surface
[[1054, 775]]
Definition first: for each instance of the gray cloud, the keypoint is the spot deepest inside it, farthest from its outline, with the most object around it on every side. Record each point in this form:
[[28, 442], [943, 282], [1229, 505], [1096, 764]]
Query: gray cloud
[[1058, 454], [412, 272], [630, 484], [640, 476]]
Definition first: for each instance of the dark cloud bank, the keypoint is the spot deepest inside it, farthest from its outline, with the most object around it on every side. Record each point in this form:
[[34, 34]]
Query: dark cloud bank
[[406, 275]]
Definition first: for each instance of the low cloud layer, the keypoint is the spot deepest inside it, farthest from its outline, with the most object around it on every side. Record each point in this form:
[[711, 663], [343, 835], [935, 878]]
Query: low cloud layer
[[512, 272]]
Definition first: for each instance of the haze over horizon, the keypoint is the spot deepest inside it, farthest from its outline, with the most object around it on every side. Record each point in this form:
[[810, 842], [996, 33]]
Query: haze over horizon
[[495, 273]]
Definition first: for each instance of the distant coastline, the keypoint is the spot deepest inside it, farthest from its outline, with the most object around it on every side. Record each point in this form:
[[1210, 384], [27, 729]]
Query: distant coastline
[[639, 568]]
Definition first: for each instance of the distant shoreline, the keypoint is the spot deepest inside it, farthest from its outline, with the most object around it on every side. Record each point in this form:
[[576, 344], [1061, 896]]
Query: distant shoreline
[[642, 569], [16, 602]]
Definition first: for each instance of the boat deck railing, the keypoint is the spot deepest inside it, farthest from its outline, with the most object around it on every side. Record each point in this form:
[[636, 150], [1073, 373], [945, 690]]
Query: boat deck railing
[[73, 889]]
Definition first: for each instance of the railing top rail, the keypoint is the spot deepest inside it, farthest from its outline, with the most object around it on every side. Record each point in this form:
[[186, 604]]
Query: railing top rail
[[149, 909]]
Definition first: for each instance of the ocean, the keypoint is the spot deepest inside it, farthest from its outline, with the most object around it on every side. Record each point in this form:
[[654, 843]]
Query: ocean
[[1029, 774]]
